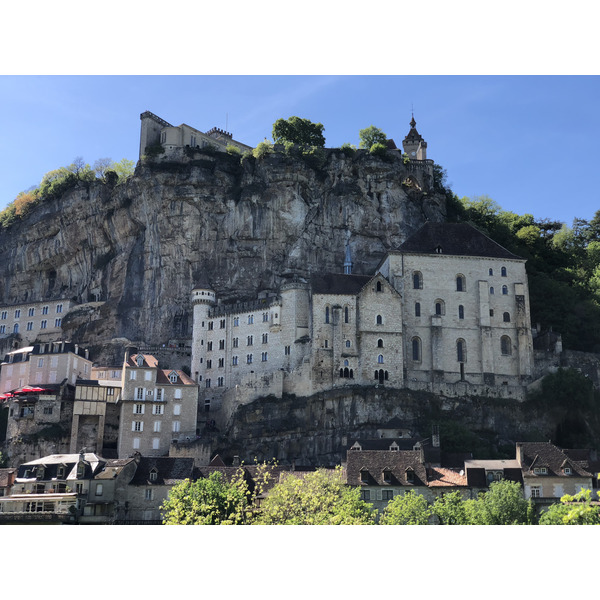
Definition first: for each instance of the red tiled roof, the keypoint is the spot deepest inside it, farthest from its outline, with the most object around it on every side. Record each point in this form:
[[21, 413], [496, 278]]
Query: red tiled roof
[[441, 477]]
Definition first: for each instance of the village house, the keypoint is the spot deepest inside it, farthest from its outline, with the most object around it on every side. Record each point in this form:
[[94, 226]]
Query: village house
[[158, 407]]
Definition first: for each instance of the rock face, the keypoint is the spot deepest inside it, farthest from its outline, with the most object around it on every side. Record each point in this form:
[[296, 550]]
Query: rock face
[[132, 253]]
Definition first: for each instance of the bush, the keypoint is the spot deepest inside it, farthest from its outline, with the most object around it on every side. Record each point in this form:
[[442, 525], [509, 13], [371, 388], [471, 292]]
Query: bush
[[262, 149], [348, 149], [314, 157], [233, 150], [154, 150], [378, 149]]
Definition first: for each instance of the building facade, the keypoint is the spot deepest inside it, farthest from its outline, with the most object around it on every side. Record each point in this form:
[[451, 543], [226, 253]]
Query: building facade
[[158, 407]]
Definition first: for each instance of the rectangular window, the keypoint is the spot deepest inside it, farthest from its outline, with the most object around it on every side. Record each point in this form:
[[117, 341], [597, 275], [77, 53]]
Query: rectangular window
[[288, 350], [207, 383], [148, 375], [159, 394], [139, 393], [192, 141], [176, 409], [177, 393], [365, 495], [157, 409], [149, 494], [132, 374], [536, 491], [137, 426], [156, 426], [222, 323], [2, 328], [47, 410], [40, 362], [176, 426], [136, 443], [387, 494], [138, 409], [98, 489]]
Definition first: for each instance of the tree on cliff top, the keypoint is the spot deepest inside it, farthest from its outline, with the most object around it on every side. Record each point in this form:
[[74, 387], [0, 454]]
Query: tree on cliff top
[[370, 136], [299, 131]]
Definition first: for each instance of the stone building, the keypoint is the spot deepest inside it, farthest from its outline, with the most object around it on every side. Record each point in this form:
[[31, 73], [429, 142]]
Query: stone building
[[158, 407], [448, 312], [155, 130], [34, 321]]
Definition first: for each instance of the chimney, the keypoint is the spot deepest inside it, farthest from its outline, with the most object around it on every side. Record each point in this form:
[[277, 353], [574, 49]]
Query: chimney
[[519, 454]]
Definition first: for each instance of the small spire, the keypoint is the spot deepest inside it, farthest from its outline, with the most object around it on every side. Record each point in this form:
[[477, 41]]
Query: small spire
[[413, 122]]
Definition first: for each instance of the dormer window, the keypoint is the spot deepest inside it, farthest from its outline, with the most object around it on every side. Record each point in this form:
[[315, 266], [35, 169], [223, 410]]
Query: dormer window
[[173, 377], [364, 476], [80, 470], [153, 475], [394, 447], [410, 475], [60, 472], [39, 473], [387, 475], [540, 470], [567, 471], [140, 360]]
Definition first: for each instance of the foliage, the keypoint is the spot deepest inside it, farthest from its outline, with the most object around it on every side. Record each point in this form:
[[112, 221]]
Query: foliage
[[317, 498], [503, 504], [572, 510], [378, 149], [209, 501], [348, 149], [314, 157], [406, 509], [262, 149], [3, 461], [233, 150], [450, 509], [371, 135], [299, 131]]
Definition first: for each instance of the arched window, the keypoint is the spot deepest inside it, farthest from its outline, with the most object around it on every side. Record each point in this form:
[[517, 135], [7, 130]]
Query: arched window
[[346, 363], [379, 288], [417, 309], [492, 291], [461, 311], [346, 315], [327, 314], [506, 317], [503, 271], [504, 290], [380, 359], [440, 307], [341, 372], [505, 345], [16, 328], [348, 344], [417, 280], [461, 351], [379, 320], [380, 343], [416, 349], [491, 272], [461, 283], [346, 372], [351, 373]]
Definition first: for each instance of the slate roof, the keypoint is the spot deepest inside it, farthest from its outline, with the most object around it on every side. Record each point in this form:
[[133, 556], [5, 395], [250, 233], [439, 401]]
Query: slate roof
[[546, 454], [455, 239], [377, 461], [251, 472], [169, 470], [338, 283], [475, 471]]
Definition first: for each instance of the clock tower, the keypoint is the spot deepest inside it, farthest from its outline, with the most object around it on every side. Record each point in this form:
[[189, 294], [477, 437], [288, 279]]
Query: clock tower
[[413, 144]]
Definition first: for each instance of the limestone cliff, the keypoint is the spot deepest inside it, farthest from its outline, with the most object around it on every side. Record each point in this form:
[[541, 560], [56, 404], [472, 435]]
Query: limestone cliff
[[131, 253]]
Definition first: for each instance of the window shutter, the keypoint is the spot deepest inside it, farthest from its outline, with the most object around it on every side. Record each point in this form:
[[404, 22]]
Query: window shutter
[[378, 494]]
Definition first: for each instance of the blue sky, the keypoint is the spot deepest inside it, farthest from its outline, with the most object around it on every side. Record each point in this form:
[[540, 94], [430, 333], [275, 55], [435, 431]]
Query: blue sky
[[528, 142]]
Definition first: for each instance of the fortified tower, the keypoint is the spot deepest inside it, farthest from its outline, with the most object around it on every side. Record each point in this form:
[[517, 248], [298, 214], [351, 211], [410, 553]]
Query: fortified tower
[[203, 298]]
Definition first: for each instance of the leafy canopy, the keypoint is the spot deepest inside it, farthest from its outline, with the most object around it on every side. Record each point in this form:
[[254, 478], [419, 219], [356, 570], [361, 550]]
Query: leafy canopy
[[572, 510], [317, 498], [299, 131], [406, 509], [370, 136], [503, 504]]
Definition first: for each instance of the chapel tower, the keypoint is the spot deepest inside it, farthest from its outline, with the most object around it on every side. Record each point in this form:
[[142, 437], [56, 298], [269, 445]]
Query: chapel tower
[[413, 144]]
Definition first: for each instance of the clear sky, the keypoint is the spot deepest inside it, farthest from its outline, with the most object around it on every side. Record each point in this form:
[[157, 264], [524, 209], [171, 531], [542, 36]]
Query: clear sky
[[528, 142]]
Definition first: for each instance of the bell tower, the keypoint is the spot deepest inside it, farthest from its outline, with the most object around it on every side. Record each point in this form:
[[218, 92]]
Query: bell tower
[[413, 144]]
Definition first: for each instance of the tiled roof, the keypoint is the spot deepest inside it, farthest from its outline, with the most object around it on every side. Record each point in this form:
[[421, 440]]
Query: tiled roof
[[169, 470], [546, 454], [150, 362], [376, 462], [162, 377], [441, 477], [454, 239], [338, 283]]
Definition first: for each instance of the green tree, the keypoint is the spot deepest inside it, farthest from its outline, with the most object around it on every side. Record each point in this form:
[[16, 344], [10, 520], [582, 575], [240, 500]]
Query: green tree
[[371, 135], [317, 498], [503, 504], [124, 168], [450, 509], [298, 131], [210, 501], [406, 509], [572, 510]]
